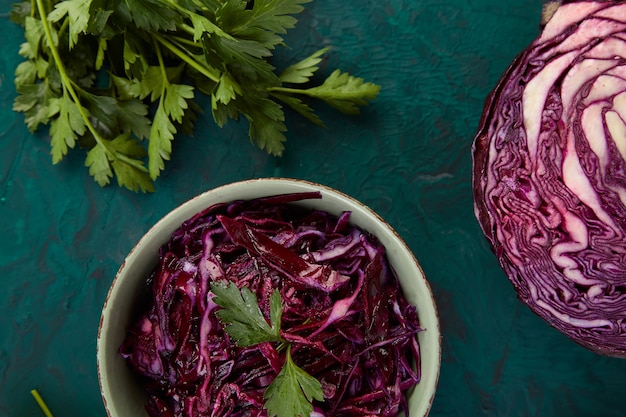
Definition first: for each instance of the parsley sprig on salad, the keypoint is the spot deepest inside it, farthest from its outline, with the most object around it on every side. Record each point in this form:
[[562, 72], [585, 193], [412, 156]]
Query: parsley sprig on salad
[[293, 390], [119, 78]]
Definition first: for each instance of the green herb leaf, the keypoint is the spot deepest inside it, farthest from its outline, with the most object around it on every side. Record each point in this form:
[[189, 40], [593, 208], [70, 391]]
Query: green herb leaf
[[227, 90], [78, 13], [203, 26], [292, 392], [175, 102], [33, 100], [103, 108], [121, 156], [100, 55], [66, 127], [345, 92], [301, 72], [99, 165], [133, 117], [131, 174], [267, 125], [19, 12], [301, 107], [149, 15], [274, 16], [342, 91], [160, 145], [276, 311], [26, 73], [242, 316]]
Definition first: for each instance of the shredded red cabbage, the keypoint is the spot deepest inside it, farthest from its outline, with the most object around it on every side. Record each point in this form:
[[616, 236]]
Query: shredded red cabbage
[[343, 313]]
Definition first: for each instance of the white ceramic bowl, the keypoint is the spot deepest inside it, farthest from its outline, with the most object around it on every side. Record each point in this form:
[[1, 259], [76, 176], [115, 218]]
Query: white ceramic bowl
[[121, 394]]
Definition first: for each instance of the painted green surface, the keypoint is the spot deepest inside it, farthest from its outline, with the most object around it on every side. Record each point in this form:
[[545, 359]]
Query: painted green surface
[[407, 156]]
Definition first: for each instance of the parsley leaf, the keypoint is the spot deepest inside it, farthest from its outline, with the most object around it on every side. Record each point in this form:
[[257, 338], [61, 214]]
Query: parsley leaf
[[175, 102], [292, 392], [65, 128], [301, 72], [267, 125], [34, 101], [161, 137], [301, 107], [345, 92], [340, 90], [78, 13], [227, 90], [99, 165], [122, 157], [244, 320], [203, 26], [274, 16], [148, 15]]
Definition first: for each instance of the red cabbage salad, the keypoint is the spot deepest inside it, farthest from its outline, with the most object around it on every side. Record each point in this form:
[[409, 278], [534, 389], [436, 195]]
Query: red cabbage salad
[[265, 308]]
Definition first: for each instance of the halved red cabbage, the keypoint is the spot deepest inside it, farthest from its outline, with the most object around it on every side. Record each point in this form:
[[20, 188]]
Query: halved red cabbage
[[549, 176], [343, 313]]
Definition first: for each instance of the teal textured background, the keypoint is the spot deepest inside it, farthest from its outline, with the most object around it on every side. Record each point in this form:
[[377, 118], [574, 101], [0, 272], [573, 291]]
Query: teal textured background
[[62, 238]]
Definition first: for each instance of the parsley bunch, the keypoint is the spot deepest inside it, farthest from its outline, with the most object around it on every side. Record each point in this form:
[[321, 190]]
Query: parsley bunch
[[118, 78]]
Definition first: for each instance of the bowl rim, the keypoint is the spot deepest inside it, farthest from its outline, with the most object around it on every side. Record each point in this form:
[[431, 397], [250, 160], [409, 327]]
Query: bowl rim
[[163, 228]]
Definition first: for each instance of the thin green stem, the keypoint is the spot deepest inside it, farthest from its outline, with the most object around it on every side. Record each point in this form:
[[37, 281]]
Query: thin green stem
[[41, 403], [184, 41], [211, 73], [192, 14], [64, 26], [287, 90], [186, 28], [315, 92], [66, 80], [159, 55], [132, 162]]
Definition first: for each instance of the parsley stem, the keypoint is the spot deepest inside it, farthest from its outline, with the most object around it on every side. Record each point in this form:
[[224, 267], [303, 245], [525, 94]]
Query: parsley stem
[[159, 55], [132, 162], [211, 73], [185, 41], [67, 84], [289, 90], [187, 29], [317, 92], [64, 26], [41, 403], [65, 78]]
